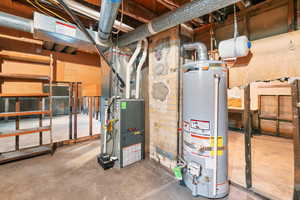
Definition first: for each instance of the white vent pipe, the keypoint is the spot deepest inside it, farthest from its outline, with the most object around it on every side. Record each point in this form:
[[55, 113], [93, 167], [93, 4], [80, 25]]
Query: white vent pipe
[[139, 69], [129, 68]]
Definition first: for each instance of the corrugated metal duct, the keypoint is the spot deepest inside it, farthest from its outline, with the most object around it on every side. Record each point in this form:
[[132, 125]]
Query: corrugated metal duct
[[187, 12]]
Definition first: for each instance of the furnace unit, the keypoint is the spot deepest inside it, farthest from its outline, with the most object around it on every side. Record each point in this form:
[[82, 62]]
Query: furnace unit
[[129, 138]]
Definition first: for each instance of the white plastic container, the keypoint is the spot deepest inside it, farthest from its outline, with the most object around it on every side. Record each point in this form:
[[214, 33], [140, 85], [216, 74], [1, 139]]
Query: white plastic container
[[235, 47]]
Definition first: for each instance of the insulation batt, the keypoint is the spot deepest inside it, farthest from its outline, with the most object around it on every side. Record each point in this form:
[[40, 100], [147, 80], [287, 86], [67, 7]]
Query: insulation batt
[[235, 47]]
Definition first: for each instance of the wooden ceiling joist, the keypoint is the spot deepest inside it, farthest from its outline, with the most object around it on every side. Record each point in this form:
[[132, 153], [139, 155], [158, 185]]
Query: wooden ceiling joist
[[172, 6], [131, 9], [240, 5]]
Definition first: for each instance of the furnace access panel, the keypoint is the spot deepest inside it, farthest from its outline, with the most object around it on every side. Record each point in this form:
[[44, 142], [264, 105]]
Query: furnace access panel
[[130, 131]]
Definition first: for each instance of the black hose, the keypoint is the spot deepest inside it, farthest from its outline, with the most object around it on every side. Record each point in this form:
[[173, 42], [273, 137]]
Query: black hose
[[88, 35]]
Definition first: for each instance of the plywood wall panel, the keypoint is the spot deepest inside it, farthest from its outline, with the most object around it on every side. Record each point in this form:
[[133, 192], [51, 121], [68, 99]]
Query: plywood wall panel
[[286, 129], [268, 106], [81, 73], [24, 87], [15, 67], [285, 108], [91, 90], [273, 58]]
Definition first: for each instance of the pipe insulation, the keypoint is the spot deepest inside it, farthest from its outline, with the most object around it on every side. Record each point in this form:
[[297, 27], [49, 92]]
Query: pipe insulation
[[15, 22], [108, 14], [187, 12], [199, 47], [139, 69]]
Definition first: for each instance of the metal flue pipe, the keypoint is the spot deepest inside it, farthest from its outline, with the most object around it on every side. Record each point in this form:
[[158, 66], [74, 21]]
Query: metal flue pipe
[[15, 22], [199, 47], [189, 11], [108, 14]]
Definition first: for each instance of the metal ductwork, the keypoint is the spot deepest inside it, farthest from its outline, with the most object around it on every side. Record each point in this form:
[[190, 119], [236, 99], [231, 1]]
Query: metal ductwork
[[187, 12], [15, 22], [89, 12], [199, 47], [52, 30], [108, 14]]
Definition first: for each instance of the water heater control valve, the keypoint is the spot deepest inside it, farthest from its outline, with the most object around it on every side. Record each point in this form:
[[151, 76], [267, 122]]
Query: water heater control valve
[[194, 169]]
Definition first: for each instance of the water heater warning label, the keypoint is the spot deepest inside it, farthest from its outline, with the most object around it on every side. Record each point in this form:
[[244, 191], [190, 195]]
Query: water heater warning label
[[65, 29], [200, 124]]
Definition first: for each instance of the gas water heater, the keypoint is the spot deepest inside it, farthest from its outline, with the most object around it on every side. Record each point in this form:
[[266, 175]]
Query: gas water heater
[[205, 119], [205, 123]]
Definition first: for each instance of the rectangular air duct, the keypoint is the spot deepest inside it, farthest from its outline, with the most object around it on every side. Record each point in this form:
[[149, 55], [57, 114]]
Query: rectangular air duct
[[57, 31]]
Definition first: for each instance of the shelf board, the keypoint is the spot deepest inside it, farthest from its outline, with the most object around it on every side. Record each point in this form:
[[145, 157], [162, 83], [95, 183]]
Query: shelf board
[[24, 131], [26, 95], [24, 153], [25, 113], [24, 76], [13, 55]]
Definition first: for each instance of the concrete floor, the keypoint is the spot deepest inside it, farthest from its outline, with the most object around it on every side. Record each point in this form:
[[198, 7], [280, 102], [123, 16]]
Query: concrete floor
[[272, 156], [59, 127], [73, 173]]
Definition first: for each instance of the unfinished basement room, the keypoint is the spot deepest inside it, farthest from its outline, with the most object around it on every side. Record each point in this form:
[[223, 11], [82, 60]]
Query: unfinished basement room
[[149, 99]]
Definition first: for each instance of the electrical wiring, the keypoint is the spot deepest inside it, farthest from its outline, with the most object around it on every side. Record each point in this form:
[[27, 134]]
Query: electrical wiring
[[44, 12], [50, 11], [31, 3], [122, 14]]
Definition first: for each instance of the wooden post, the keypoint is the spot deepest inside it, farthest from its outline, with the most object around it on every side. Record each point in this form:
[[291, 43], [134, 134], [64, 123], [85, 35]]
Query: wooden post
[[91, 116], [51, 102], [297, 8], [259, 113], [43, 105], [97, 107], [70, 110], [6, 107], [247, 135], [41, 119], [277, 116], [75, 109], [291, 15], [296, 137], [246, 24], [18, 109]]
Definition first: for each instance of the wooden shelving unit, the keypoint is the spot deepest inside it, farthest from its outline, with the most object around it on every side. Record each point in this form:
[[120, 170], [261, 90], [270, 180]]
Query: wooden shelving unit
[[275, 115], [26, 95], [33, 151]]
